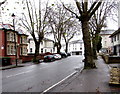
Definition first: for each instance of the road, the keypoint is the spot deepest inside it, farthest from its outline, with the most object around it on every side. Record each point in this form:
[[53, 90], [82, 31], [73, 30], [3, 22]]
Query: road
[[37, 78]]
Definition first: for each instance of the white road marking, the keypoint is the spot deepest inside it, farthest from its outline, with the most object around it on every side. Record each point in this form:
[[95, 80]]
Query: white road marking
[[21, 73], [18, 74], [58, 82]]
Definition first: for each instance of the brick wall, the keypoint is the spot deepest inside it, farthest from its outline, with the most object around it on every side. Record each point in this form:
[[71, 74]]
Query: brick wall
[[2, 43]]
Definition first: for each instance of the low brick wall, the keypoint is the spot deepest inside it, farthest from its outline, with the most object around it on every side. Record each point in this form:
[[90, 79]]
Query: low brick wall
[[111, 59], [105, 58], [26, 58], [114, 59], [30, 57]]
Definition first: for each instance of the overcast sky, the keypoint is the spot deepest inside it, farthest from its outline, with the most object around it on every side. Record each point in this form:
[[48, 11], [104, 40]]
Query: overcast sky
[[12, 7]]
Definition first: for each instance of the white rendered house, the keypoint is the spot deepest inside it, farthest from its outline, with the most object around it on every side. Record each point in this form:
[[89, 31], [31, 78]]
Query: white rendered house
[[75, 46], [106, 41], [115, 40], [46, 45]]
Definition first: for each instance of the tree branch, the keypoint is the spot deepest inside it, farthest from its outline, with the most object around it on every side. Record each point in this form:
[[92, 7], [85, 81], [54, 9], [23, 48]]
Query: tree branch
[[93, 11]]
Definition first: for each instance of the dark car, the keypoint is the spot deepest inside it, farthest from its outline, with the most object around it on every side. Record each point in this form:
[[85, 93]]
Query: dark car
[[48, 58], [63, 54], [68, 54]]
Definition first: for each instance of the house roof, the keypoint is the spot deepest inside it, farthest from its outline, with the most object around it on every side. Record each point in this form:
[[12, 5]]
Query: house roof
[[43, 39], [76, 41], [10, 27], [21, 32], [115, 33], [106, 32], [6, 26]]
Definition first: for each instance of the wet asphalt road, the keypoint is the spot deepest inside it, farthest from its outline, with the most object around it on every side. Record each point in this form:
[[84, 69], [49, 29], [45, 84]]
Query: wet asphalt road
[[37, 78]]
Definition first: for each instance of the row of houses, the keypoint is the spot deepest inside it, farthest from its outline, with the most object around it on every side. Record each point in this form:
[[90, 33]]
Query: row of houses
[[25, 46]]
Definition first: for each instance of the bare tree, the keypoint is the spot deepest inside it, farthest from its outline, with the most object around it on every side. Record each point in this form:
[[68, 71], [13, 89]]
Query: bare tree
[[98, 21], [2, 2], [85, 13], [70, 29], [57, 20], [35, 22]]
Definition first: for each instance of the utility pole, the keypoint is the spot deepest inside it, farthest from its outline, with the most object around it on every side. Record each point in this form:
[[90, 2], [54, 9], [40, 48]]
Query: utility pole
[[15, 47]]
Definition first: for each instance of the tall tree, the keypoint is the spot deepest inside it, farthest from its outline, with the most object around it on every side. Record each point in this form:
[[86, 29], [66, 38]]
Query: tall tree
[[58, 17], [35, 21], [70, 29], [85, 13], [98, 21]]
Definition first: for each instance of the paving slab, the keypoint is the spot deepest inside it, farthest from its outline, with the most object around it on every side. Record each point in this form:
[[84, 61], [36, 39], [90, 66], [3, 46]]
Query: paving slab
[[90, 80]]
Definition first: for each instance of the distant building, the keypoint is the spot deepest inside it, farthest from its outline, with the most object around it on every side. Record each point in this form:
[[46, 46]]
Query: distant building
[[46, 45], [106, 41], [7, 42], [75, 47], [115, 40]]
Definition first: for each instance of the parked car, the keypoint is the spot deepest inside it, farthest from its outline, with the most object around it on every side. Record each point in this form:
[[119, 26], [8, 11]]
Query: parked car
[[68, 54], [48, 58], [63, 54], [57, 56]]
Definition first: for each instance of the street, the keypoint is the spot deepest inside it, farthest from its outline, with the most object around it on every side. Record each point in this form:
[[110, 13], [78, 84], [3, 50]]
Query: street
[[39, 77]]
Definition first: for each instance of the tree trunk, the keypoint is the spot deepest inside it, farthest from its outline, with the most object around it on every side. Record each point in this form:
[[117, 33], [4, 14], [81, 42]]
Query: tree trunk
[[87, 44], [95, 43], [37, 46], [94, 48], [66, 49], [58, 47]]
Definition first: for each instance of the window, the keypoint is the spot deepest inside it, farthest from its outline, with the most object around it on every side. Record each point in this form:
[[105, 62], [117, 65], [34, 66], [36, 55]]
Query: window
[[8, 36], [45, 50], [25, 39], [115, 38], [112, 40], [8, 49], [24, 51], [12, 37], [118, 37], [41, 50], [30, 50], [12, 50]]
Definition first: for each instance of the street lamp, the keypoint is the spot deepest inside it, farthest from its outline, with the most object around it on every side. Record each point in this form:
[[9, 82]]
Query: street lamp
[[13, 15]]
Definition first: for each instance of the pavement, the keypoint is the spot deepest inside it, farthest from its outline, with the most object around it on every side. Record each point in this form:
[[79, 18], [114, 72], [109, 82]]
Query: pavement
[[89, 80], [14, 66]]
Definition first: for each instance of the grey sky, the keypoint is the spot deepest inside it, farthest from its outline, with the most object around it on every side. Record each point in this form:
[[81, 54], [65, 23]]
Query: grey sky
[[12, 7]]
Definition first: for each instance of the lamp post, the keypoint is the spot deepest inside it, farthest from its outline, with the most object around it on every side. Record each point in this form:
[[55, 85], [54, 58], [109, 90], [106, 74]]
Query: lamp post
[[15, 47]]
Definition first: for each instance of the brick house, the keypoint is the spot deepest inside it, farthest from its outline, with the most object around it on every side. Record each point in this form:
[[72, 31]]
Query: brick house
[[7, 43]]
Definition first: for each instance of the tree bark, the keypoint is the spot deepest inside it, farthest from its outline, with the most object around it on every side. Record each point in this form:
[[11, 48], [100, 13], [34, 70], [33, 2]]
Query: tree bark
[[87, 44], [66, 49], [58, 47], [94, 48], [37, 46]]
